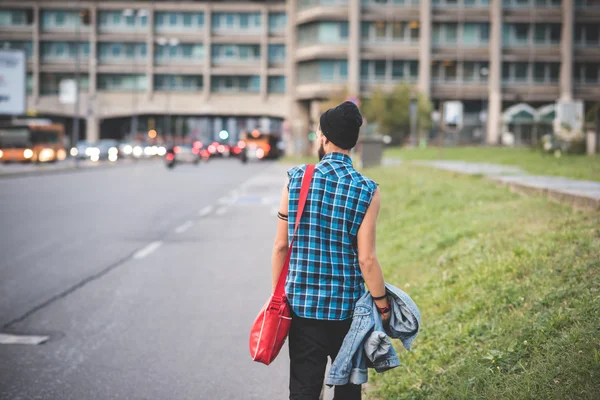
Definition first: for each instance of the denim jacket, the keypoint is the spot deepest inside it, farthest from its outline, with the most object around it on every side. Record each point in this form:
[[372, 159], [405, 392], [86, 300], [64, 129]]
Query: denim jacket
[[367, 344]]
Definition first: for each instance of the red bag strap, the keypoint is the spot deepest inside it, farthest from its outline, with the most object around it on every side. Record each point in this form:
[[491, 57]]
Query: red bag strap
[[306, 179]]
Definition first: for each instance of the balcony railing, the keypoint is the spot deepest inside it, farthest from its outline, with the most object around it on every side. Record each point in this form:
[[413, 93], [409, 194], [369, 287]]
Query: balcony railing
[[306, 4]]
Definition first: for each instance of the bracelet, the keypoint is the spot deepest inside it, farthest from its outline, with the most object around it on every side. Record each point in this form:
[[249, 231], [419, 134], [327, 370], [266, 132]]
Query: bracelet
[[380, 297], [385, 309]]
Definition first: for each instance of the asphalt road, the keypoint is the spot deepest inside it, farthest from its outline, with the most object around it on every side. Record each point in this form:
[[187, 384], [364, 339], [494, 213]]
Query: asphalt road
[[146, 281]]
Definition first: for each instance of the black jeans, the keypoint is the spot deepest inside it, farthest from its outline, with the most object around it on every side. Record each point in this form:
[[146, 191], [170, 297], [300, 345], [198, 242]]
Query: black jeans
[[311, 341]]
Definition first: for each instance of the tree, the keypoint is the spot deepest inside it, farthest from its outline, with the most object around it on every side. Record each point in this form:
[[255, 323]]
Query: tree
[[424, 108]]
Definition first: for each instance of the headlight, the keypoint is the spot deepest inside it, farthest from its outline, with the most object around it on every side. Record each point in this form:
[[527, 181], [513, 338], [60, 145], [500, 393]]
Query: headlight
[[148, 151], [137, 151], [127, 149], [94, 157], [1, 153], [112, 157], [46, 155], [113, 150], [161, 151], [28, 153], [92, 151], [74, 152], [61, 154]]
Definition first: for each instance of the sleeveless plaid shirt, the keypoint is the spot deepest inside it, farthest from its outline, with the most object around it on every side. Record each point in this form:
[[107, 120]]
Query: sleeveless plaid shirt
[[324, 279]]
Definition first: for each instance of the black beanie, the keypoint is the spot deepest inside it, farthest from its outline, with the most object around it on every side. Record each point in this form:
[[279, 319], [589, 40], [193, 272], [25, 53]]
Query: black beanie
[[341, 125]]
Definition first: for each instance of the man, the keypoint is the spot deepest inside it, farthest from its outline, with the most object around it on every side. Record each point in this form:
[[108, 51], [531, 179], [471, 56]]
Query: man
[[333, 255]]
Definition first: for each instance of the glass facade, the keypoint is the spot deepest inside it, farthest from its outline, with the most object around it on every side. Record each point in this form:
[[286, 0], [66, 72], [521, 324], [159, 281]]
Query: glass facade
[[531, 3], [123, 21], [14, 18], [184, 53], [236, 22], [277, 22], [122, 82], [236, 84], [113, 52], [525, 35], [178, 22], [463, 35], [26, 45], [276, 53], [60, 20], [460, 3], [276, 84], [323, 71], [394, 32], [304, 4], [50, 82], [530, 73], [64, 51], [381, 71], [587, 35], [390, 3], [178, 83], [235, 53], [460, 72], [323, 33], [587, 73]]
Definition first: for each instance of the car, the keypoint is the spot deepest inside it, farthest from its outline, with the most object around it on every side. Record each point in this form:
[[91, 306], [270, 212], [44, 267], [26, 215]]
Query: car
[[106, 149], [183, 154]]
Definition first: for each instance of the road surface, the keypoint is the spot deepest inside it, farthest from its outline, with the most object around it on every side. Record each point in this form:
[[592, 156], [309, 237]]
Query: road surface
[[145, 280]]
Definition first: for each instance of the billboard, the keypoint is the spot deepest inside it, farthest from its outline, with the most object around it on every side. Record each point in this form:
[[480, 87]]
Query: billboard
[[453, 114], [13, 82]]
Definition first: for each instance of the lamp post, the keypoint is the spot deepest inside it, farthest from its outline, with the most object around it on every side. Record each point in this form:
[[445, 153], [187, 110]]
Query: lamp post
[[166, 43], [129, 12]]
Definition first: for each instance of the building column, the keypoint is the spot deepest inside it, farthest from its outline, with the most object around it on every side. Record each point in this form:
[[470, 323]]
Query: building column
[[566, 51], [354, 48], [206, 84], [150, 54], [424, 85], [494, 117], [297, 113], [92, 128], [35, 56], [93, 61], [264, 53]]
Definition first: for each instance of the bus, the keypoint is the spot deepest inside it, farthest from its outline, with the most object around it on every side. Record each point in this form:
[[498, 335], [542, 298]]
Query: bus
[[37, 142], [257, 145]]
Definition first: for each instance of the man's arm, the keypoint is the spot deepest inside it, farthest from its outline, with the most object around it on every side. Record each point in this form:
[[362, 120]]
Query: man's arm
[[367, 257], [280, 246]]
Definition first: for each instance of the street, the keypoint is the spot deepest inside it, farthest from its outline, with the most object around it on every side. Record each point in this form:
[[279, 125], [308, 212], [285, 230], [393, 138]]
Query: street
[[146, 281]]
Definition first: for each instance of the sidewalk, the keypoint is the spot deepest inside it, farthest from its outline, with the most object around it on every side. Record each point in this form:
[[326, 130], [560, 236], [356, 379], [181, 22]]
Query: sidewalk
[[579, 194]]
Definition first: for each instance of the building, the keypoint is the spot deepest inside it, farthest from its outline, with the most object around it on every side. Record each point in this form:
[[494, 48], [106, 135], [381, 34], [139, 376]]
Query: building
[[236, 64]]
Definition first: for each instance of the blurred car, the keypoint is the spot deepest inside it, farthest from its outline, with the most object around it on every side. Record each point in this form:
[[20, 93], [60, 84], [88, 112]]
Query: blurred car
[[106, 149], [217, 149], [182, 154]]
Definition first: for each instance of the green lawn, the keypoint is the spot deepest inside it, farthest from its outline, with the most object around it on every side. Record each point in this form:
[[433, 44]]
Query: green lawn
[[532, 161], [508, 286]]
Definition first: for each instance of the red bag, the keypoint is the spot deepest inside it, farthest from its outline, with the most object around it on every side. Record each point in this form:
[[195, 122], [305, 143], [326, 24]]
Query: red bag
[[272, 324]]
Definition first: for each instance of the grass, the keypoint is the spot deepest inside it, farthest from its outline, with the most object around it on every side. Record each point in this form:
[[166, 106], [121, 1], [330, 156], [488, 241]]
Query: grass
[[508, 288], [530, 160]]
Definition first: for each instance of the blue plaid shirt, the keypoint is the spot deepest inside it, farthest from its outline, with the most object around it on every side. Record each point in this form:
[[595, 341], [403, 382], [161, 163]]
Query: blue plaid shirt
[[324, 279]]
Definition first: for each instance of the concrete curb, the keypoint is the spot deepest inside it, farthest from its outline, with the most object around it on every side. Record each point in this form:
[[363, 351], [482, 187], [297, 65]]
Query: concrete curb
[[575, 200]]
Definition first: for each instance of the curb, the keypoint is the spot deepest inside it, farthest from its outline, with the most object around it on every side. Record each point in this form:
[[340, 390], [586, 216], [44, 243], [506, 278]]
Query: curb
[[577, 201]]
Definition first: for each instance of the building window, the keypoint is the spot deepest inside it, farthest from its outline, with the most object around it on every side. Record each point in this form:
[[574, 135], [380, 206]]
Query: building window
[[587, 35], [64, 51], [122, 20], [15, 17], [235, 84], [460, 3], [50, 82], [60, 20], [530, 73], [277, 22], [276, 84], [531, 3], [184, 53], [122, 82], [232, 22], [235, 53], [587, 73], [323, 71], [276, 53], [178, 83], [323, 32], [397, 32], [26, 45], [386, 70], [178, 22], [304, 4], [475, 34]]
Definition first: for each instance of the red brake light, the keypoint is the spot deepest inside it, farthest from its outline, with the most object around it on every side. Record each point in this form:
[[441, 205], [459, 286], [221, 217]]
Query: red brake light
[[267, 148], [176, 149], [198, 144], [170, 156], [195, 150]]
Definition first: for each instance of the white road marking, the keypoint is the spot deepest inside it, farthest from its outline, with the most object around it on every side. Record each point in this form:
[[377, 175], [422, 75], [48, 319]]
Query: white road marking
[[184, 227], [221, 211], [205, 211], [6, 338], [224, 200], [143, 252]]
